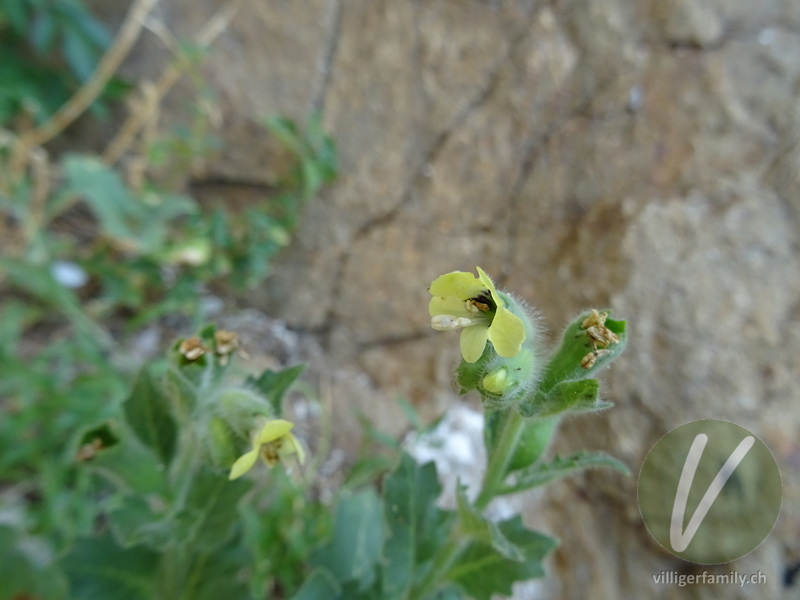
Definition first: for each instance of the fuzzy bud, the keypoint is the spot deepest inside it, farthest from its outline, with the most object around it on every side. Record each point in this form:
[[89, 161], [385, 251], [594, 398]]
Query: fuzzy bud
[[220, 442], [497, 381], [237, 406]]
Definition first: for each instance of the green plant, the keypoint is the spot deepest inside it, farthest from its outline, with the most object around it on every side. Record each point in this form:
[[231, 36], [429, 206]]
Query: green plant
[[401, 545], [92, 253], [244, 244], [162, 517], [170, 514]]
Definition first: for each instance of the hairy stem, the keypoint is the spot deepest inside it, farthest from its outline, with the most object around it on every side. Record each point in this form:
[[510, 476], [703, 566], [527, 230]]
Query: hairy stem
[[500, 459]]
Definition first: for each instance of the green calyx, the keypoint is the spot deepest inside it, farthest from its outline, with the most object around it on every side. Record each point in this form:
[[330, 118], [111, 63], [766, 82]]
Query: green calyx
[[502, 381], [221, 442]]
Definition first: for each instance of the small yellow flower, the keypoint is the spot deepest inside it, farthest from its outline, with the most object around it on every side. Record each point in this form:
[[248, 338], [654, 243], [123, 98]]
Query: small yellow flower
[[463, 301], [273, 442]]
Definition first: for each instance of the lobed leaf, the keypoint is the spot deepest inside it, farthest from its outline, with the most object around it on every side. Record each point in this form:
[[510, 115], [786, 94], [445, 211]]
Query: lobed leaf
[[416, 527], [275, 384], [483, 569], [561, 467], [210, 512], [100, 568], [353, 553], [147, 411]]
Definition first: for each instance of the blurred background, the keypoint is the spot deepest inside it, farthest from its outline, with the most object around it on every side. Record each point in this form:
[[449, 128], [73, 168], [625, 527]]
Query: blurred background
[[638, 156]]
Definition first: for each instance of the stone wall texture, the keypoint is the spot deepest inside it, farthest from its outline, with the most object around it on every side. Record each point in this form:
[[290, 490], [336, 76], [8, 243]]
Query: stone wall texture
[[641, 156]]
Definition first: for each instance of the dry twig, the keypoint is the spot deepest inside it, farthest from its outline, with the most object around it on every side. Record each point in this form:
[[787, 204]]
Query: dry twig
[[83, 98], [146, 108]]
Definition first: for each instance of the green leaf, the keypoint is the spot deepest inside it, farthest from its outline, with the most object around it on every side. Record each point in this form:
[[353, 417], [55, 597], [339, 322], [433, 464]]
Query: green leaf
[[38, 280], [286, 131], [469, 375], [561, 467], [210, 513], [134, 522], [17, 13], [43, 29], [213, 576], [324, 148], [130, 466], [368, 469], [280, 547], [415, 525], [565, 363], [533, 442], [94, 32], [100, 568], [275, 384], [450, 592], [358, 535], [482, 570], [80, 54], [410, 413], [107, 196], [320, 584], [15, 316], [567, 396], [472, 524], [26, 570], [135, 224], [147, 410]]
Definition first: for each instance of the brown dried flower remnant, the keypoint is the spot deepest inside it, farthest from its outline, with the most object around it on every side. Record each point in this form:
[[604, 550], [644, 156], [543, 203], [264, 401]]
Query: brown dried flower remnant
[[226, 342], [192, 348], [599, 335], [587, 362]]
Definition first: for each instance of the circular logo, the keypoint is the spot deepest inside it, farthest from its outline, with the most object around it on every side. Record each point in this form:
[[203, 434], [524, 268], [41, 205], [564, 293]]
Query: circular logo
[[709, 491]]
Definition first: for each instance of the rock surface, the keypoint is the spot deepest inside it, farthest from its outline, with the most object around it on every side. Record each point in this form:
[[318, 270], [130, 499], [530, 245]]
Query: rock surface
[[641, 156]]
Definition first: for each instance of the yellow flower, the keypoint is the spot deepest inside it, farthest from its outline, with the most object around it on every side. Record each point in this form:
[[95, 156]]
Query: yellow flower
[[463, 301], [273, 442]]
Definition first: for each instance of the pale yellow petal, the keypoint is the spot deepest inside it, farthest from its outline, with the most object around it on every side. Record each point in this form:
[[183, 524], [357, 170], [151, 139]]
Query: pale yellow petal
[[488, 284], [243, 464], [506, 333], [295, 447], [448, 305], [473, 341], [458, 284], [274, 430]]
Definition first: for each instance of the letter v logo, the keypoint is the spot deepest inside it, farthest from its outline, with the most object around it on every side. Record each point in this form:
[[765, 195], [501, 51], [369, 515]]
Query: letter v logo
[[709, 491], [678, 538]]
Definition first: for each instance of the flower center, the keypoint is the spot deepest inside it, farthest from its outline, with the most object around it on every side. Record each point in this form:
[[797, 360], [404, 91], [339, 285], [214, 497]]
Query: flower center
[[271, 451], [482, 303], [481, 309]]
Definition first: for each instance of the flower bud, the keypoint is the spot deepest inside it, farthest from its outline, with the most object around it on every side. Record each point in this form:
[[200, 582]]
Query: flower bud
[[497, 381], [504, 381], [220, 442], [238, 405]]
